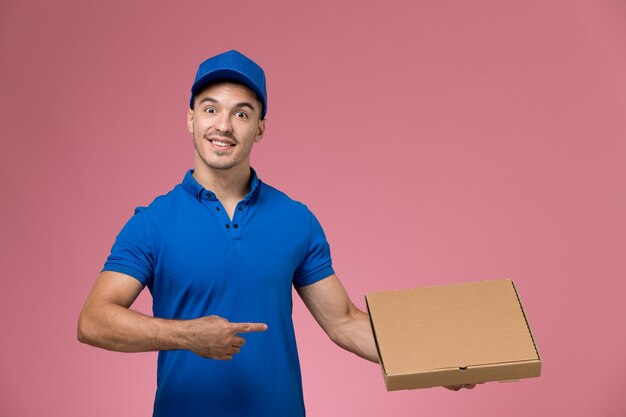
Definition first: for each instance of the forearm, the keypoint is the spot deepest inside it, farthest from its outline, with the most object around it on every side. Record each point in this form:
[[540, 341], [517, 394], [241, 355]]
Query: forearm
[[354, 334], [117, 328], [106, 321]]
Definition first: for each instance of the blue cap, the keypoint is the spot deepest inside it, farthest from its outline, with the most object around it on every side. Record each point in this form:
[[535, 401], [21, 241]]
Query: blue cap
[[231, 66]]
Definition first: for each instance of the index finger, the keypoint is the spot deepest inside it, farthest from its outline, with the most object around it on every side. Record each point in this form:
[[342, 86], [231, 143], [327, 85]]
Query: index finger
[[249, 327]]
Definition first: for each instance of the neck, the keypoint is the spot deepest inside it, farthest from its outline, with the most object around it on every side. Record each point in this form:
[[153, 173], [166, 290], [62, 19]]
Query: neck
[[227, 184]]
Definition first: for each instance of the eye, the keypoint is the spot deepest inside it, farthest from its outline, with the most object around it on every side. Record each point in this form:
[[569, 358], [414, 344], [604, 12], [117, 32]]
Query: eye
[[241, 115], [210, 110]]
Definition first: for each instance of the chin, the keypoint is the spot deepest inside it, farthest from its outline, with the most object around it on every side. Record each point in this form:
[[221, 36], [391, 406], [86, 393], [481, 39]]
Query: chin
[[221, 165]]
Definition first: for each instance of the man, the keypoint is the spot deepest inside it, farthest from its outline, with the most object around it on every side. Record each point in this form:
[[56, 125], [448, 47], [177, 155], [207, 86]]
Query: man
[[220, 253]]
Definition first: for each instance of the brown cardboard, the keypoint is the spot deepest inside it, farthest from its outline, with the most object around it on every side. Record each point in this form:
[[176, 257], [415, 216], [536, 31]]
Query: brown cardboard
[[452, 334]]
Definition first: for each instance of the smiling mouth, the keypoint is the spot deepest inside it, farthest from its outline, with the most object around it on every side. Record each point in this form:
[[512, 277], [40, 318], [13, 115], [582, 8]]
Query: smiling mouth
[[220, 143]]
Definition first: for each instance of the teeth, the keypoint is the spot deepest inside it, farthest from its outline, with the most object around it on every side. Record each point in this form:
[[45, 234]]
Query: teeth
[[218, 143]]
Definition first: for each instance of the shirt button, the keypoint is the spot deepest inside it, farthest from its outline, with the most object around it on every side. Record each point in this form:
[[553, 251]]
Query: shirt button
[[208, 195], [240, 208], [217, 208], [235, 225], [228, 226]]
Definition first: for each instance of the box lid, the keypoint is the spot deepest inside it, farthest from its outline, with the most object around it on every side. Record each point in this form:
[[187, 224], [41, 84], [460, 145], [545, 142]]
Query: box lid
[[451, 326]]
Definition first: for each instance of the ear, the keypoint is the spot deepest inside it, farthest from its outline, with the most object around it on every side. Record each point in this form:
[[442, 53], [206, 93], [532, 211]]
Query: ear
[[190, 120], [260, 131]]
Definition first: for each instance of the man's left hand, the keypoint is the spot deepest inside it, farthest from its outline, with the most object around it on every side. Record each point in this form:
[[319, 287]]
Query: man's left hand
[[458, 387]]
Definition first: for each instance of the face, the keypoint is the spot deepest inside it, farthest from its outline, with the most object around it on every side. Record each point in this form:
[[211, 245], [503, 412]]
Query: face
[[225, 124]]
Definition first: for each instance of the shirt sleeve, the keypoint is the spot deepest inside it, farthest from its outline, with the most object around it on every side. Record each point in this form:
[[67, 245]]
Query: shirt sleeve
[[133, 252], [317, 263]]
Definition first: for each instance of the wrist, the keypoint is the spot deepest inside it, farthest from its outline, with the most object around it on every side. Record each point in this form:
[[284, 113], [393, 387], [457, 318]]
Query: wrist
[[173, 334]]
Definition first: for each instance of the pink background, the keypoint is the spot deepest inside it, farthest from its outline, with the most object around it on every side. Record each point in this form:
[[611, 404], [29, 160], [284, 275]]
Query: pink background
[[437, 142]]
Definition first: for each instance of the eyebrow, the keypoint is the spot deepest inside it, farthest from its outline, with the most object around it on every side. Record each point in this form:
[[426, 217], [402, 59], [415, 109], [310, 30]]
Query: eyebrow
[[238, 105]]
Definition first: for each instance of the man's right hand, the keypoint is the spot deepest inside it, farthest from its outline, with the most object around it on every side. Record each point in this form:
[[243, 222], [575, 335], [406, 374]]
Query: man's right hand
[[216, 338]]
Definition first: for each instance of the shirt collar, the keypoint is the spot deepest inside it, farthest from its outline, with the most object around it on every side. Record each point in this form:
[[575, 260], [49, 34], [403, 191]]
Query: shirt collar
[[194, 188]]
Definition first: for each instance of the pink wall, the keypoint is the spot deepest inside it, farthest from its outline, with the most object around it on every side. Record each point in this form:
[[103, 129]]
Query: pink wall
[[437, 142]]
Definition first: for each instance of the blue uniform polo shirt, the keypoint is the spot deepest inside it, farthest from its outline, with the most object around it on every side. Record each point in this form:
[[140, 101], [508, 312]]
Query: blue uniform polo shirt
[[196, 262]]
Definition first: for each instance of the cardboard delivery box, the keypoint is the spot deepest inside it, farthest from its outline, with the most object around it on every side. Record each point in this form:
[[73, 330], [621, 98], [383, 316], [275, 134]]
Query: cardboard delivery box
[[452, 334]]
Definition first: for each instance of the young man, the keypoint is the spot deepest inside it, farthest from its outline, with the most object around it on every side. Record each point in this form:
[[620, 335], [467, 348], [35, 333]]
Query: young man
[[220, 253]]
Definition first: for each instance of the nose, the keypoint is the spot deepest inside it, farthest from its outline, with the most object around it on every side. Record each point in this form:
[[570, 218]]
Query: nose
[[223, 123]]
